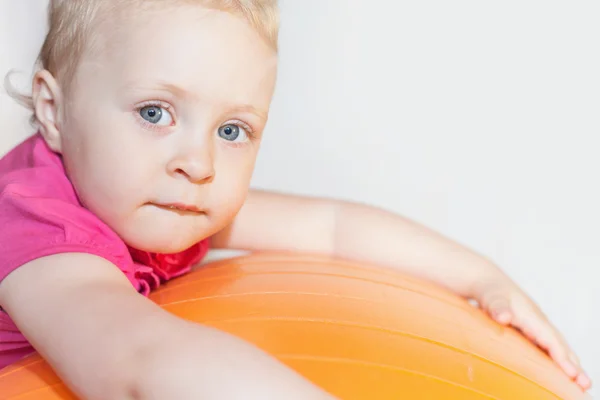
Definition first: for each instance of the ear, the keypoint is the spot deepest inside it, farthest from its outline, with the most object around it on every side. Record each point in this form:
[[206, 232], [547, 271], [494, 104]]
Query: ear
[[47, 103]]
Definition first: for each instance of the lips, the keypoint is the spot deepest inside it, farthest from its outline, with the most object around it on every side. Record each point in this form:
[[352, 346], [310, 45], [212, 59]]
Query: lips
[[179, 207]]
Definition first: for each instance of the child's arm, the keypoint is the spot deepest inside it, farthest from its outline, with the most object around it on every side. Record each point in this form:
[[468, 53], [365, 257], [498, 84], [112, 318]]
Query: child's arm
[[272, 221], [108, 342]]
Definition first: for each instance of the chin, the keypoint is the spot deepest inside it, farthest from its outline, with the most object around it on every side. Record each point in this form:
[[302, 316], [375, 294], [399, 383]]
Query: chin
[[165, 242], [160, 232], [163, 247]]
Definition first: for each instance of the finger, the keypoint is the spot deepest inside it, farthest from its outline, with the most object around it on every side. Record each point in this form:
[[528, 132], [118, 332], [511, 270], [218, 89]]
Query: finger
[[584, 381], [549, 340], [498, 307], [503, 317], [558, 352], [574, 359]]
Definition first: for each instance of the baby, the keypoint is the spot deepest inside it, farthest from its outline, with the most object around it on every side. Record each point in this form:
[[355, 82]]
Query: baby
[[150, 115]]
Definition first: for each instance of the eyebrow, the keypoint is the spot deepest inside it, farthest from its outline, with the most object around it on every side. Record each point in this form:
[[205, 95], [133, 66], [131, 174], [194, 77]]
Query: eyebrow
[[163, 87], [181, 92], [247, 108]]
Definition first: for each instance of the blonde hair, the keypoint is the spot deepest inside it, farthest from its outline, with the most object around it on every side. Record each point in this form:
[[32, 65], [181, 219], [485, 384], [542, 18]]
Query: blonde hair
[[71, 22]]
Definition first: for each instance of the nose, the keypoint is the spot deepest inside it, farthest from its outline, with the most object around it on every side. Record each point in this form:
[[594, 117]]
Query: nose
[[194, 163]]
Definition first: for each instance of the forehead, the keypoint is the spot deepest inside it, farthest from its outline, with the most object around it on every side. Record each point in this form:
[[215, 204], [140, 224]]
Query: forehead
[[201, 49]]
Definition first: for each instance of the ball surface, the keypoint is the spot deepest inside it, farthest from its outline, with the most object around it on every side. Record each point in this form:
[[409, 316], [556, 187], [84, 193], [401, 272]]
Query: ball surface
[[357, 331]]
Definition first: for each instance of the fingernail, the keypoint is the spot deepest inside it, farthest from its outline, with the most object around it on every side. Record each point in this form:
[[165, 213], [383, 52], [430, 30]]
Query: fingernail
[[503, 317], [583, 380]]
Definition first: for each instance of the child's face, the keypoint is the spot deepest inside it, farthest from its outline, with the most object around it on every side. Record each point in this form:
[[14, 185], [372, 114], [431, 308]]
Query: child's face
[[168, 111]]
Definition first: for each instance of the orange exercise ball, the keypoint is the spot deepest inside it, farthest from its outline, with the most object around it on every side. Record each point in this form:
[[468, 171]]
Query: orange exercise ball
[[357, 331]]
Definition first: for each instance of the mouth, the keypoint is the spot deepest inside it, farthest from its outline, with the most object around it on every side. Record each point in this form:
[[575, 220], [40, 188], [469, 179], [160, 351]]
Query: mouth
[[180, 208]]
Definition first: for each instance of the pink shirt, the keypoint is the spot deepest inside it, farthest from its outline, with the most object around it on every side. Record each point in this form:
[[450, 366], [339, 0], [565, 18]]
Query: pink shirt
[[40, 215]]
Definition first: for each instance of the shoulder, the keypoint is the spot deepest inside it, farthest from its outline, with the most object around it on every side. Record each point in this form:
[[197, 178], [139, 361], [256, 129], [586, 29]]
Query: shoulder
[[33, 170], [36, 195], [40, 213]]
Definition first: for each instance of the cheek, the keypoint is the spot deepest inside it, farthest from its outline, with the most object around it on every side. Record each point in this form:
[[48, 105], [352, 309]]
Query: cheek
[[103, 190], [233, 176], [239, 167], [105, 169]]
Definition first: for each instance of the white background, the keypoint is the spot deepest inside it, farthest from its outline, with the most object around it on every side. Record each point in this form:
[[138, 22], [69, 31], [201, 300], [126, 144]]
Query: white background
[[479, 119]]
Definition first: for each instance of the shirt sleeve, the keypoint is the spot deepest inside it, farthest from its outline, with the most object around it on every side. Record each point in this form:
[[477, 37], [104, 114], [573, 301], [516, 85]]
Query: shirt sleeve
[[35, 225]]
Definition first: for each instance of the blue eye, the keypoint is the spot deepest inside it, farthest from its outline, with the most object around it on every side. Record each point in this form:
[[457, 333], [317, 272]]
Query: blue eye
[[156, 115], [231, 133]]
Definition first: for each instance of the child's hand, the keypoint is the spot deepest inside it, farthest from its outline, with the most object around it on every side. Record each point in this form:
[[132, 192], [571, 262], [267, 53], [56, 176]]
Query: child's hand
[[358, 232], [509, 305]]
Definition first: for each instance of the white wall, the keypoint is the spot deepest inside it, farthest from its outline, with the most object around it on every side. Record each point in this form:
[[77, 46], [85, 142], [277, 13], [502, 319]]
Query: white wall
[[479, 119], [22, 28]]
